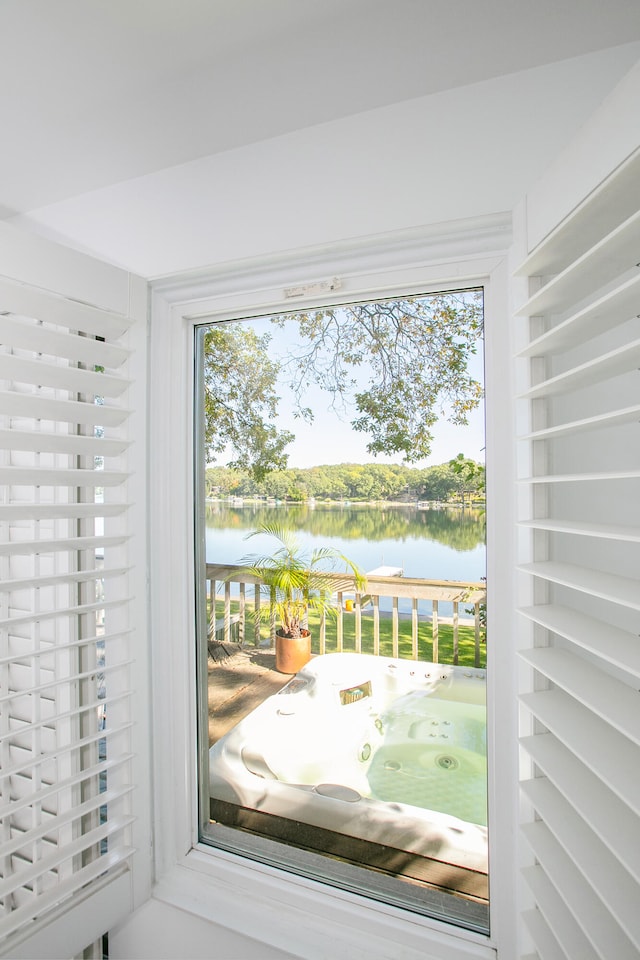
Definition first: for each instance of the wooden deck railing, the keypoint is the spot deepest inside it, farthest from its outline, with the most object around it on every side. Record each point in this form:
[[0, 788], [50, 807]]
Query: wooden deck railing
[[238, 607]]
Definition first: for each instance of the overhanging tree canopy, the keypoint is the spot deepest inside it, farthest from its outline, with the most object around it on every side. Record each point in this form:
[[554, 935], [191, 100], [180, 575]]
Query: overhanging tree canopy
[[394, 367]]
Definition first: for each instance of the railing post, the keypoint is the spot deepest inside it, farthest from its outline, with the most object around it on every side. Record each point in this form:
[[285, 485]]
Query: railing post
[[476, 611], [434, 632], [414, 628], [339, 626], [272, 616], [227, 612], [358, 623], [241, 613], [211, 613], [376, 625], [256, 615], [394, 626], [455, 634]]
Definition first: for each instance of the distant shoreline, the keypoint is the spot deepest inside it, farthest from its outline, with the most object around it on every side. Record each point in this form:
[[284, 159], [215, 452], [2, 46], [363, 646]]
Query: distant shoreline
[[419, 504]]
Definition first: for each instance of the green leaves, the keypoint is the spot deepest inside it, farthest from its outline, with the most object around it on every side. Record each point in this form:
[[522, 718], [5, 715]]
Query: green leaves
[[395, 367], [415, 351], [241, 401], [296, 582]]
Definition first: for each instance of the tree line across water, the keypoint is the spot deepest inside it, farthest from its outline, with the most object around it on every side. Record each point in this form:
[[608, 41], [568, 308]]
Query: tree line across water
[[460, 480]]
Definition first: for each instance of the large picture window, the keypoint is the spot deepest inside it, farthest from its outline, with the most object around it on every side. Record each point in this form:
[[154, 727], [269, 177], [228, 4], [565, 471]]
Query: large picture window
[[342, 596]]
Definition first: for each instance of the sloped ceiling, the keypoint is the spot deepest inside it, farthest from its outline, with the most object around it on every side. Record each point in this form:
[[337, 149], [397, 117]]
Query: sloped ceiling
[[97, 92]]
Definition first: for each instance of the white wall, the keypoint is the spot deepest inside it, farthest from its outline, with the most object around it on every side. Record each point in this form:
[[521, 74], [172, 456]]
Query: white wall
[[463, 153], [165, 933]]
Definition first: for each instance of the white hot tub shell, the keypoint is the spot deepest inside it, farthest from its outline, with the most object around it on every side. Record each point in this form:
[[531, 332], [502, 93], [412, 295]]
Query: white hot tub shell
[[388, 751]]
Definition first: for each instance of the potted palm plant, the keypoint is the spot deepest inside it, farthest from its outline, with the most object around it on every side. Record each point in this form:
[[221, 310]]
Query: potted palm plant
[[296, 583]]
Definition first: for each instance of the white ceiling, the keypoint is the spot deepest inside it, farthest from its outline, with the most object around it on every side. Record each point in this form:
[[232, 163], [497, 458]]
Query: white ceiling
[[96, 92]]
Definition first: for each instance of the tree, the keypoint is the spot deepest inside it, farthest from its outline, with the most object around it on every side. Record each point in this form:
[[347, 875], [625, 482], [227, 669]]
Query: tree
[[415, 353], [240, 400], [470, 475], [396, 366]]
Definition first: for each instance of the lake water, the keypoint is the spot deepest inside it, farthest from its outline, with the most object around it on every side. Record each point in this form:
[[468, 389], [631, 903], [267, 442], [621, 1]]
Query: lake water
[[435, 544]]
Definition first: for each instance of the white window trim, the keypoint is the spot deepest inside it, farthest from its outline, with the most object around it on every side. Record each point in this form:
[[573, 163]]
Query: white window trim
[[229, 890]]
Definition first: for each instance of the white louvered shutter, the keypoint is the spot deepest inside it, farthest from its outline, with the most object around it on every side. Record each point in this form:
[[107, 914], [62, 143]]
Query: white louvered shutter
[[65, 610], [579, 546]]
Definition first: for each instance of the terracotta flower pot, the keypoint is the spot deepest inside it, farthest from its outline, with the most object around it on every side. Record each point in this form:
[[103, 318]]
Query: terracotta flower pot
[[292, 652]]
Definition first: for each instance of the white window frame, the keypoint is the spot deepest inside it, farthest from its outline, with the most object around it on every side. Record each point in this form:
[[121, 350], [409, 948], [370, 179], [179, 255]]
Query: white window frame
[[292, 913]]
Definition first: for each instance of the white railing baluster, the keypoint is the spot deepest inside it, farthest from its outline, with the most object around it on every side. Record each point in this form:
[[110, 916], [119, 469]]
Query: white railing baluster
[[239, 603], [434, 632], [376, 626], [339, 626], [394, 627], [456, 634]]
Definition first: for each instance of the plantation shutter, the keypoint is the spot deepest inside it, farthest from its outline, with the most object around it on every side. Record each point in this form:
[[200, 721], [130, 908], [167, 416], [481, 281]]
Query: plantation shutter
[[66, 774], [579, 542]]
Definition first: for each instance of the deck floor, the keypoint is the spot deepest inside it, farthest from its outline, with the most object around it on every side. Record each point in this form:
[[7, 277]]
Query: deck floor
[[240, 678]]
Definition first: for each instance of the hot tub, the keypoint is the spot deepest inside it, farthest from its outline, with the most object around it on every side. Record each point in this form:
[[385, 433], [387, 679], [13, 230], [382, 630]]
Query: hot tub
[[388, 751]]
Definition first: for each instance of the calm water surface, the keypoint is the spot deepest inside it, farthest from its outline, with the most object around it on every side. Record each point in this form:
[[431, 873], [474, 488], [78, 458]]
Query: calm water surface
[[436, 544]]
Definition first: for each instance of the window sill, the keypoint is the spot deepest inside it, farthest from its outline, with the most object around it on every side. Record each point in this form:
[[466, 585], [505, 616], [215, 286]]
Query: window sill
[[305, 918]]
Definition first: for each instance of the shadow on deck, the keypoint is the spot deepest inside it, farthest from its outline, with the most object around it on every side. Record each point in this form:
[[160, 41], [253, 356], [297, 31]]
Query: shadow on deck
[[240, 678]]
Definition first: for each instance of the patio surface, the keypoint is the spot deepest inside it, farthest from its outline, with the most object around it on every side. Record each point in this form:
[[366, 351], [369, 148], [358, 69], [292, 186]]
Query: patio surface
[[240, 678]]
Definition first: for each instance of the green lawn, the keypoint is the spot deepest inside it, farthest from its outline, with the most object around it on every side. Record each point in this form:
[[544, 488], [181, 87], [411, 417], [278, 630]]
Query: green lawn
[[466, 638]]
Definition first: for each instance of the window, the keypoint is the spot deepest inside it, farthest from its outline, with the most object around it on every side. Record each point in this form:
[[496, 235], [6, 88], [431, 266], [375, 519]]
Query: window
[[370, 756]]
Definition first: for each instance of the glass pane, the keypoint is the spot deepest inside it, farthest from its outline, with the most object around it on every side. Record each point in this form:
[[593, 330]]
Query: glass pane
[[343, 646]]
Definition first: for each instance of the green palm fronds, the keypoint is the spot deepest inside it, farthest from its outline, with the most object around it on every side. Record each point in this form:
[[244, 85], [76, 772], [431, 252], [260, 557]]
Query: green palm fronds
[[296, 582]]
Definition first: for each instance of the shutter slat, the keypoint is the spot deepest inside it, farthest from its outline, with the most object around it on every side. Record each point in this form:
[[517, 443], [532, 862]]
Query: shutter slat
[[546, 944], [611, 756], [23, 767], [41, 339], [565, 928], [32, 406], [50, 685], [596, 583], [608, 259], [606, 697], [28, 547], [614, 418], [49, 649], [42, 442], [621, 360], [37, 583], [62, 819], [618, 647], [65, 852], [615, 307], [606, 531], [574, 889], [605, 813], [60, 377], [47, 793], [59, 511], [606, 876], [582, 477], [60, 311], [50, 477]]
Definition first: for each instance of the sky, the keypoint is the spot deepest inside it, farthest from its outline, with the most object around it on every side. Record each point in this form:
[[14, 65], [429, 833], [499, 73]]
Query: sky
[[329, 439]]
